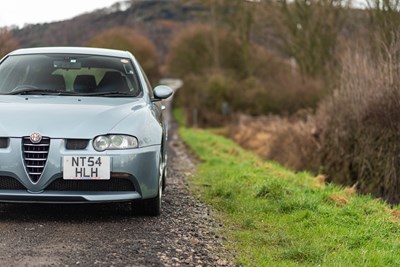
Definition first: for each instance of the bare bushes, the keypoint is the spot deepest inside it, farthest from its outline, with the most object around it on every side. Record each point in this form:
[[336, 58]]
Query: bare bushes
[[7, 42], [310, 31], [203, 98], [193, 51], [256, 84], [354, 137], [360, 127], [289, 141]]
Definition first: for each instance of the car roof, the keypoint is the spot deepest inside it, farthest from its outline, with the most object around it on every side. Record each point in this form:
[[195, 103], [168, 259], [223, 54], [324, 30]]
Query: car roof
[[72, 50]]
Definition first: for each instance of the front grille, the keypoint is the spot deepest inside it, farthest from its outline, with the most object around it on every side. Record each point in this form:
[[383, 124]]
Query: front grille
[[35, 156], [114, 184], [76, 144], [3, 142], [9, 183]]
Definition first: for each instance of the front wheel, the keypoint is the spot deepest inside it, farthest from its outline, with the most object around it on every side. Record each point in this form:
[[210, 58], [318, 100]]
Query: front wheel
[[147, 207], [164, 179]]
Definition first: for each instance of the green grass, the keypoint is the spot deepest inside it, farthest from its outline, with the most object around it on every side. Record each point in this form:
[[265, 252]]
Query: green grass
[[275, 217]]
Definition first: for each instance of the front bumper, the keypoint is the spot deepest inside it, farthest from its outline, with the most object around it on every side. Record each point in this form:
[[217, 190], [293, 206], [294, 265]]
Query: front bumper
[[138, 166], [21, 196]]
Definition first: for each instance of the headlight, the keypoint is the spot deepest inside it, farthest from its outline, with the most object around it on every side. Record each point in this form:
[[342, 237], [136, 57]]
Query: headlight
[[114, 141], [101, 143]]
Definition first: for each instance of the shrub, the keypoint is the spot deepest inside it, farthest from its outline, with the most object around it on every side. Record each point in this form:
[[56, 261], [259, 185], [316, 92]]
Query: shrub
[[7, 42], [289, 141], [185, 50], [139, 45], [193, 52], [354, 136], [360, 127], [203, 97], [257, 84]]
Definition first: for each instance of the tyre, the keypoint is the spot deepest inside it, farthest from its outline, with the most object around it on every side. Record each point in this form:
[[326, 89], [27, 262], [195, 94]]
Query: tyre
[[164, 169], [164, 178], [147, 207]]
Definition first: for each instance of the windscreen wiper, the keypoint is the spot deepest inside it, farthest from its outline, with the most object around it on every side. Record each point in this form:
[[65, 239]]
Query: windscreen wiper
[[31, 90], [115, 93]]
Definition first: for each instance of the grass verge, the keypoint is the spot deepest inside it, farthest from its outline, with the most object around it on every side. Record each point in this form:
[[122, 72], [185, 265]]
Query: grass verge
[[275, 217]]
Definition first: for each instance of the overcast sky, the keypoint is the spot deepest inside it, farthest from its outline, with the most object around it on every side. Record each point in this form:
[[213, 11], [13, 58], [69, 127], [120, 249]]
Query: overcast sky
[[20, 12]]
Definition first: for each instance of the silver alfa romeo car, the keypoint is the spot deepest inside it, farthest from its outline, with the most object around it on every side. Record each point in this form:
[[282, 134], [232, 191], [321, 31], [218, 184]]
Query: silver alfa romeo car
[[81, 125]]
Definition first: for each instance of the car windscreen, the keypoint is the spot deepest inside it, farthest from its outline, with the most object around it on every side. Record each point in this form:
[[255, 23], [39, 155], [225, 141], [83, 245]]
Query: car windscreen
[[69, 74]]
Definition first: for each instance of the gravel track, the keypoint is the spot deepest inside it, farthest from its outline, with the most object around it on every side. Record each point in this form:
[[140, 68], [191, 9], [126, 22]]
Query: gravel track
[[107, 235]]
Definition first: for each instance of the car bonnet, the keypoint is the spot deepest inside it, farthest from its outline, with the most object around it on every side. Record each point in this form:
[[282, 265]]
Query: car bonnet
[[63, 117]]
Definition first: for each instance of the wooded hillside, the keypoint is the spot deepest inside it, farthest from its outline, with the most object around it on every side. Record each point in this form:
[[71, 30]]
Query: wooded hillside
[[155, 18]]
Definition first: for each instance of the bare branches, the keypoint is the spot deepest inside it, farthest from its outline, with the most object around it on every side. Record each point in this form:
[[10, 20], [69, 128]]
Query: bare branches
[[7, 42], [311, 28]]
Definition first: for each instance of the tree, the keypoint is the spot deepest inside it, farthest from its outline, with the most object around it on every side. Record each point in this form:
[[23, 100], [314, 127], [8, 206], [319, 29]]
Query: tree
[[7, 42], [192, 52], [237, 18], [310, 31], [385, 25], [140, 46], [207, 86]]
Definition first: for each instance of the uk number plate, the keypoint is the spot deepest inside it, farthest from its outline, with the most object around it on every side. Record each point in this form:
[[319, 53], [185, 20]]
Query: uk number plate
[[86, 168]]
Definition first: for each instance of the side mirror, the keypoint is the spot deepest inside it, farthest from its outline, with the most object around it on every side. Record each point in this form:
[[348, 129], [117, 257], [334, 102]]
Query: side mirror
[[162, 92]]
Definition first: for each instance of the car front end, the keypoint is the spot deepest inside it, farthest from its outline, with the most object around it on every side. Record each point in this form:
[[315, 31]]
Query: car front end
[[35, 149], [80, 125]]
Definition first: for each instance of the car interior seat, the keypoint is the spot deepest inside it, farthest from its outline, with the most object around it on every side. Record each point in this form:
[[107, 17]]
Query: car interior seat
[[113, 81], [51, 82], [84, 84]]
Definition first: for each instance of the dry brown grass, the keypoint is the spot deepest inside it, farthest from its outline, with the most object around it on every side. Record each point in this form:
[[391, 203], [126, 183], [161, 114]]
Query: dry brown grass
[[395, 215], [339, 199], [351, 190], [289, 141], [320, 181]]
